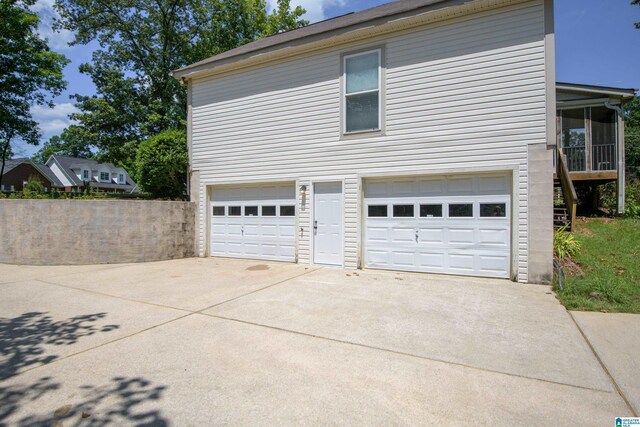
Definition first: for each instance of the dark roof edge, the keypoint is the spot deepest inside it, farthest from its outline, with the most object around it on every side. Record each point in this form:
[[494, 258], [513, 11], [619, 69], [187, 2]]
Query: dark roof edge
[[322, 28], [624, 92]]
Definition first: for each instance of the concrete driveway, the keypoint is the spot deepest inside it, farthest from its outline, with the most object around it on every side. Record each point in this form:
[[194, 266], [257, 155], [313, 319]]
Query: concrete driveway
[[234, 342]]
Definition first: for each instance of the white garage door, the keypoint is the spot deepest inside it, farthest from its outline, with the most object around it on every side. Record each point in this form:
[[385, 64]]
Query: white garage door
[[254, 222], [450, 225]]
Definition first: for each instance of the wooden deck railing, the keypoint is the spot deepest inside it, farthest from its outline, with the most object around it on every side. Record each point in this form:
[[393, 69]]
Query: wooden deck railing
[[568, 190]]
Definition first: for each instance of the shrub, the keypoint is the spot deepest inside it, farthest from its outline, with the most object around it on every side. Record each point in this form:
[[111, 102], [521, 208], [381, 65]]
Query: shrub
[[33, 188], [162, 163], [565, 244], [609, 198]]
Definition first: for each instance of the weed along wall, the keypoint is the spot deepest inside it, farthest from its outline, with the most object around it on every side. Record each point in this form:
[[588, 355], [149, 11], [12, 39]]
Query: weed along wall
[[51, 232]]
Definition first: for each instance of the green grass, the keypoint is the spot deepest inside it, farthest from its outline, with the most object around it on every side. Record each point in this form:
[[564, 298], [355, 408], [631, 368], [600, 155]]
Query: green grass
[[610, 260]]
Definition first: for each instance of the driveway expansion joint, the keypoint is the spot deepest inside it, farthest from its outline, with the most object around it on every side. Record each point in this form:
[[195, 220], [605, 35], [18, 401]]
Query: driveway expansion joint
[[604, 367], [188, 313], [402, 353]]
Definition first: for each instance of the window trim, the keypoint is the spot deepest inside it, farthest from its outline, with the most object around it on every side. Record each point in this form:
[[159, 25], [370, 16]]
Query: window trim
[[455, 218], [413, 210], [343, 92], [108, 178], [493, 218], [386, 206]]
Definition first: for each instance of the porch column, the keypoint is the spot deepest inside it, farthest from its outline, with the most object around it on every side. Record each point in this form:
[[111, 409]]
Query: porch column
[[621, 163]]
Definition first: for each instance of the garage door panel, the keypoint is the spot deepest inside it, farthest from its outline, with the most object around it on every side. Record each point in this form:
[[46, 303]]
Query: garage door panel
[[461, 262], [263, 231], [493, 236], [269, 231], [493, 264], [403, 258], [378, 258], [432, 260], [402, 235], [475, 245], [433, 236], [287, 231], [378, 234], [270, 250], [461, 236]]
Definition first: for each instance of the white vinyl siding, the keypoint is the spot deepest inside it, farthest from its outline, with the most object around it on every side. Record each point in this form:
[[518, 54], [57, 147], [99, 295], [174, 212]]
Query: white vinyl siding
[[460, 95]]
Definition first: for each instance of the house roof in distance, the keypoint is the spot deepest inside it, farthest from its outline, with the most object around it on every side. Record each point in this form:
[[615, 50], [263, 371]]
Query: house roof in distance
[[13, 163], [43, 169], [69, 163]]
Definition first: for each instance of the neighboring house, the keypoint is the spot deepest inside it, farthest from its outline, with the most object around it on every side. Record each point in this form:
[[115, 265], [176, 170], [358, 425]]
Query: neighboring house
[[18, 171], [75, 174], [418, 135]]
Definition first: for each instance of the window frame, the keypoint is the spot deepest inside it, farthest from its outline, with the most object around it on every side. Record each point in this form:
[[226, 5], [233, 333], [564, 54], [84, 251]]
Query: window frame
[[385, 205], [473, 210], [108, 177], [493, 218], [120, 178], [257, 210], [343, 95], [280, 215], [401, 204], [275, 211], [85, 175]]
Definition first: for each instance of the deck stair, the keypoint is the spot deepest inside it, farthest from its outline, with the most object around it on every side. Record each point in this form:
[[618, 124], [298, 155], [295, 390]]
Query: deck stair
[[565, 200], [561, 216]]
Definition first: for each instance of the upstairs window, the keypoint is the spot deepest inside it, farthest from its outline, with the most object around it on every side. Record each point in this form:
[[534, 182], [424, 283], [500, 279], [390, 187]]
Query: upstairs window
[[362, 75], [85, 175], [121, 179], [104, 176]]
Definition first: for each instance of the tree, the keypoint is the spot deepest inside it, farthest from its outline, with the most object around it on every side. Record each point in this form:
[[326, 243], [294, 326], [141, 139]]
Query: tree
[[632, 137], [30, 74], [162, 163], [141, 43], [67, 144]]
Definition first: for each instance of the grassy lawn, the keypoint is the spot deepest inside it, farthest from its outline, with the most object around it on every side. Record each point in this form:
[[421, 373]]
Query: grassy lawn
[[610, 264]]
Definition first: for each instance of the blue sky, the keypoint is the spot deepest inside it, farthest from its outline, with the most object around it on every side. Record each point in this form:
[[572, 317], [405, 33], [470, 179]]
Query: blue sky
[[596, 43]]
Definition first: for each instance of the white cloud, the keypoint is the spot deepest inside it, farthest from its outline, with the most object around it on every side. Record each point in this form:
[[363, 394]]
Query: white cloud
[[315, 8], [52, 121], [58, 40]]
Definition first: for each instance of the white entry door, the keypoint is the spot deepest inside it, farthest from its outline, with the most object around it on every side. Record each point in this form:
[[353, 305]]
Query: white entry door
[[254, 222], [327, 223], [448, 224]]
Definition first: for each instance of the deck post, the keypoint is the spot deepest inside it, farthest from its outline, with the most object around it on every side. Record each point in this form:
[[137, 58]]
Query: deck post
[[621, 162]]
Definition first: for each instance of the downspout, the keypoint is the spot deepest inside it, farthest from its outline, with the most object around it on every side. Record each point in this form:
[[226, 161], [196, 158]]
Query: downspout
[[620, 147]]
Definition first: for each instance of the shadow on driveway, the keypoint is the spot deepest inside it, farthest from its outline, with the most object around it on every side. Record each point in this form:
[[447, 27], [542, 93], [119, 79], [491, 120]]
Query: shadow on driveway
[[24, 340], [27, 341]]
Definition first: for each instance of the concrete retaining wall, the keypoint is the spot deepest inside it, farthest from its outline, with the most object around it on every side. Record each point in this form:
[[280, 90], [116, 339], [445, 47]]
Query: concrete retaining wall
[[49, 232]]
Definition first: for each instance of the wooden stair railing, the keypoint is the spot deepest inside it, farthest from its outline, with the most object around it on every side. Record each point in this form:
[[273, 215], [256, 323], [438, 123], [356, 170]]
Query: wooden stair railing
[[568, 190]]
